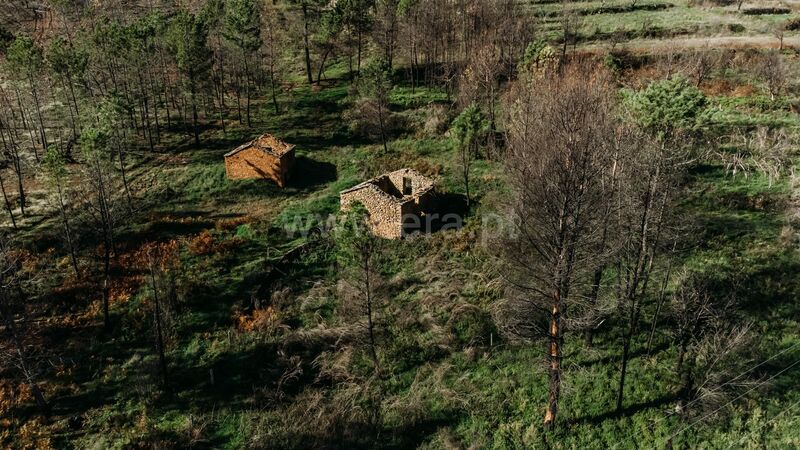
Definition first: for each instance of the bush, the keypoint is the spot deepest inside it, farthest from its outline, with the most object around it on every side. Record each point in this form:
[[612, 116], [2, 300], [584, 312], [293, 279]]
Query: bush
[[363, 119], [411, 345], [5, 39], [736, 28], [766, 11], [669, 105], [244, 231], [792, 24], [711, 2], [202, 244], [613, 63], [471, 326]]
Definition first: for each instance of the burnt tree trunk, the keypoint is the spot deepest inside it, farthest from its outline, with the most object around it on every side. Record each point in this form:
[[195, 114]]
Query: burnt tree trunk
[[554, 349]]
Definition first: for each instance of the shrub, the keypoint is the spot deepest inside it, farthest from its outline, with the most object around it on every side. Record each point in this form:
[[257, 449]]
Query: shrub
[[230, 224], [202, 244], [244, 231], [669, 105], [766, 11], [5, 39], [613, 63], [266, 320], [792, 24], [736, 28], [471, 326], [205, 243]]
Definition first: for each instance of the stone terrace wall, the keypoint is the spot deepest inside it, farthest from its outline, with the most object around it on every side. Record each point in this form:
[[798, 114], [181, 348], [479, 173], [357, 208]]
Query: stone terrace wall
[[384, 211], [253, 163]]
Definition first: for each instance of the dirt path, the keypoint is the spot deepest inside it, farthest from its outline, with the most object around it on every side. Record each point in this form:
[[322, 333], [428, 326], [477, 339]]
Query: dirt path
[[730, 42]]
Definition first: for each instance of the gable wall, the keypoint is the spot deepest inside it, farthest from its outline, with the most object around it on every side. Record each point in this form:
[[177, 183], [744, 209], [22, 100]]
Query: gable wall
[[417, 183], [253, 163], [385, 214]]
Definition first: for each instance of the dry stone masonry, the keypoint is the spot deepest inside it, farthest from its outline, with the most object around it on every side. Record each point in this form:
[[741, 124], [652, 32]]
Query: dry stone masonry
[[264, 157], [390, 199]]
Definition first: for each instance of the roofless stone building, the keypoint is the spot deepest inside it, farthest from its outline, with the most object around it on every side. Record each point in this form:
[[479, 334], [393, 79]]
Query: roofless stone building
[[264, 157], [391, 200]]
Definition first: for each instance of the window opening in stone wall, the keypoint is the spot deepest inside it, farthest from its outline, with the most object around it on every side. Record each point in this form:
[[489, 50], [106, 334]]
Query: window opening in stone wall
[[406, 186]]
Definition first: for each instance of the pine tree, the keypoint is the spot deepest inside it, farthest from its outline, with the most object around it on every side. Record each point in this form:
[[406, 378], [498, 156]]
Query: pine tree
[[242, 30], [26, 61], [193, 56], [55, 168]]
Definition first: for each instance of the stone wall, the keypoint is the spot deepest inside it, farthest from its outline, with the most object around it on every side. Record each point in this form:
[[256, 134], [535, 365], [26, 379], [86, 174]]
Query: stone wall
[[253, 163], [385, 213], [418, 182], [388, 205]]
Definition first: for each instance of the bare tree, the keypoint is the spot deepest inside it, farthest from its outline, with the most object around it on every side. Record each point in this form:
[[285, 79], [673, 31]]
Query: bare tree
[[272, 41], [386, 28], [371, 115], [101, 197], [625, 139], [479, 83], [779, 31], [647, 192], [712, 348], [11, 151], [56, 170], [359, 260], [772, 71], [6, 200], [570, 23], [669, 113], [160, 261], [701, 64], [559, 133]]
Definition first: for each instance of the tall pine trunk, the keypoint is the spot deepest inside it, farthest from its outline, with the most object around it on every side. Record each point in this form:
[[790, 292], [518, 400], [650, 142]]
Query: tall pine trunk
[[247, 90], [8, 203], [38, 107], [67, 230], [162, 359], [306, 49]]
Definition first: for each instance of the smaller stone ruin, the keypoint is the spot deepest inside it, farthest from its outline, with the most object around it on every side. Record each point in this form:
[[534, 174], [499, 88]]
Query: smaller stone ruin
[[265, 157]]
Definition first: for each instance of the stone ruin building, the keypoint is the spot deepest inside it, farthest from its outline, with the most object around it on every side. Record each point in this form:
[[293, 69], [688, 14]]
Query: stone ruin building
[[391, 200], [265, 157]]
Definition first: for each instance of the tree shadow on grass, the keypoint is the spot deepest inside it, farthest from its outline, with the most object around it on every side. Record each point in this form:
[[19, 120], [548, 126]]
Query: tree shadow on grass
[[359, 435], [612, 358], [163, 229], [231, 378], [627, 411]]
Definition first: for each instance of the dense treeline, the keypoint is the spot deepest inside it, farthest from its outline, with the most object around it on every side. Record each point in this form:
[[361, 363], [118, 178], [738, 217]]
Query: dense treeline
[[169, 69]]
